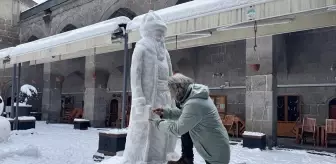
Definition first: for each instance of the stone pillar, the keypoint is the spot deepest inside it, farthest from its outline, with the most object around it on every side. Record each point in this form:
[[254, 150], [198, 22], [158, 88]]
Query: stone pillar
[[261, 88], [51, 100], [95, 104]]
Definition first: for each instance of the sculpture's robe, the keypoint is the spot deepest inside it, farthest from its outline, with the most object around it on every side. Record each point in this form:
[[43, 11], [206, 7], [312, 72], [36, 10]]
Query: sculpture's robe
[[150, 69]]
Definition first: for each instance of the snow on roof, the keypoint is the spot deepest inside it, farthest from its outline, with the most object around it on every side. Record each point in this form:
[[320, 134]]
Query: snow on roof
[[5, 52], [91, 31], [195, 9]]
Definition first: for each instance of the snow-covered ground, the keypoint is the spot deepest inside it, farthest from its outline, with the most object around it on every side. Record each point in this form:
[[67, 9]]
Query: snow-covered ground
[[61, 144]]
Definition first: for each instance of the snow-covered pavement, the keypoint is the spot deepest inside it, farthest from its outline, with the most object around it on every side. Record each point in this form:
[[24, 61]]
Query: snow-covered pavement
[[61, 144]]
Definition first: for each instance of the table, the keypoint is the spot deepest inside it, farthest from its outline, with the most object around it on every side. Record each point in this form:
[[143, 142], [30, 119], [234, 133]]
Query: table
[[322, 135], [320, 132]]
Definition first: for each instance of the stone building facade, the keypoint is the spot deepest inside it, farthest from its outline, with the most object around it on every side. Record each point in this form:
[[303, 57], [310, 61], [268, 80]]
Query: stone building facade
[[299, 64]]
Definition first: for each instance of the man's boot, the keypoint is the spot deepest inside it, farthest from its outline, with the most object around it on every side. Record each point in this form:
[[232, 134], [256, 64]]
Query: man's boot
[[183, 160], [187, 151]]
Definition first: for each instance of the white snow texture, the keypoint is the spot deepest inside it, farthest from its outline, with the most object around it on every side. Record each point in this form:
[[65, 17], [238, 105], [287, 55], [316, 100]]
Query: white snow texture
[[91, 31], [29, 90], [150, 69], [4, 129], [194, 9]]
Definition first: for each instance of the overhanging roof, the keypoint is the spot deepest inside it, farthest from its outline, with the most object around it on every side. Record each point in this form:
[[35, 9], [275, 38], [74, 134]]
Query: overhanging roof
[[187, 18], [69, 44], [195, 29]]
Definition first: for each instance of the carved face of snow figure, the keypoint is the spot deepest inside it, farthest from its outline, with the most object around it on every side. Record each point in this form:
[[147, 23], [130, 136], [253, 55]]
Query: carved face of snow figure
[[154, 29], [153, 26]]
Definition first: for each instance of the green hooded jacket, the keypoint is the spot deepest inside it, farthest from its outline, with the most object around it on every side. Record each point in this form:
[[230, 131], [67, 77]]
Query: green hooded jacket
[[199, 117]]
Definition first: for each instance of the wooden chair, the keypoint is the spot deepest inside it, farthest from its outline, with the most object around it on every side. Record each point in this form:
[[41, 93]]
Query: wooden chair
[[229, 124], [308, 127], [330, 129]]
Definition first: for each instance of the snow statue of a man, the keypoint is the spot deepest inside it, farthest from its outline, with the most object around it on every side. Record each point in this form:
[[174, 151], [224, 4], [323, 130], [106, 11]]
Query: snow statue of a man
[[4, 124], [150, 69]]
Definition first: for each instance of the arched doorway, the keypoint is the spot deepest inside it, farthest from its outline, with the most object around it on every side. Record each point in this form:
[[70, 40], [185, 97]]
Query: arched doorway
[[68, 27], [332, 109], [113, 114]]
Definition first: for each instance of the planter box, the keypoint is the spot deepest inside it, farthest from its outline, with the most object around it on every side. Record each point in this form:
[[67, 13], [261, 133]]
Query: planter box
[[110, 144], [254, 140], [37, 115], [26, 123], [81, 124]]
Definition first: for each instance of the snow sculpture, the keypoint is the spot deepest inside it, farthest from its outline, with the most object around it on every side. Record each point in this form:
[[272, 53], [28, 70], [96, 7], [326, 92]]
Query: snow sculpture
[[150, 69], [4, 129]]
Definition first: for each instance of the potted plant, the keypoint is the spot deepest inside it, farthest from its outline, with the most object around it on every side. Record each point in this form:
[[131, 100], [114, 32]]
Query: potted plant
[[255, 67]]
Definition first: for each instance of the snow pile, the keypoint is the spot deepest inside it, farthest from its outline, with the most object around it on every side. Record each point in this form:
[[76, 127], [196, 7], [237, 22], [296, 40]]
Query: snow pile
[[194, 9], [247, 133], [29, 90], [23, 104], [61, 144], [29, 151], [115, 131], [5, 129], [26, 118], [80, 120]]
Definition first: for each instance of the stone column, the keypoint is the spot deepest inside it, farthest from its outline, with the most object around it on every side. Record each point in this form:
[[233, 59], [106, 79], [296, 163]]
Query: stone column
[[95, 104], [51, 100], [261, 88]]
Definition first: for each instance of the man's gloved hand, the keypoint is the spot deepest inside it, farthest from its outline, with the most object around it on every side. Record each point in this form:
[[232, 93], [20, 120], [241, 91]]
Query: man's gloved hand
[[158, 111], [155, 122]]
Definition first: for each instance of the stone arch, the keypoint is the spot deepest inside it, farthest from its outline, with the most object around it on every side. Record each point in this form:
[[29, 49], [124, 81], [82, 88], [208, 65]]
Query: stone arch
[[68, 27], [101, 77], [113, 12], [33, 30], [182, 1], [32, 38], [74, 20], [73, 83], [115, 80], [185, 67]]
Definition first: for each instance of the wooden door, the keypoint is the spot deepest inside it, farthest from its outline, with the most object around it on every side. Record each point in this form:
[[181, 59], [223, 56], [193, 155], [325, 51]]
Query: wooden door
[[289, 112], [332, 112], [113, 116]]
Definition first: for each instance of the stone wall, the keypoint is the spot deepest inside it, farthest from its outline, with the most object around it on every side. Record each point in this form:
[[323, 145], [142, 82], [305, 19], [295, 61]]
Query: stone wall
[[302, 58], [80, 13], [310, 57]]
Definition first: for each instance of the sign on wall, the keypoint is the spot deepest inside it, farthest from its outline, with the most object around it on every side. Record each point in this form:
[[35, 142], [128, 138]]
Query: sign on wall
[[251, 13]]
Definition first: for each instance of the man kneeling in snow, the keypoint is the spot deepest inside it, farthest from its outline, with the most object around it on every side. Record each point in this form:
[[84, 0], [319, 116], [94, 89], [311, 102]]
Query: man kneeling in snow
[[197, 122]]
